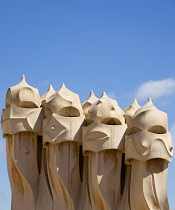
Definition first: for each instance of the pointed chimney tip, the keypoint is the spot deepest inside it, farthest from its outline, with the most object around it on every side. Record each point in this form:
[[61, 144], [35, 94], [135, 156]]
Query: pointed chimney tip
[[23, 78], [149, 99], [91, 92], [50, 87], [103, 94]]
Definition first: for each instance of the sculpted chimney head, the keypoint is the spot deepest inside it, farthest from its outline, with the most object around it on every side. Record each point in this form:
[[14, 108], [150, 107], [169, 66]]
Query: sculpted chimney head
[[107, 111], [87, 104], [148, 116], [65, 103], [148, 136], [23, 95], [48, 94], [130, 111]]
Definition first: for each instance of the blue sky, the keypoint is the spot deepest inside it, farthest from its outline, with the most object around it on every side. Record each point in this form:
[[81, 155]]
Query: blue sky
[[125, 48]]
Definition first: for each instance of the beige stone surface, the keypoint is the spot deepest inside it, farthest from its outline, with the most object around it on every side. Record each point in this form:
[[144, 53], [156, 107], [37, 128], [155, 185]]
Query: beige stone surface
[[124, 202], [23, 95], [49, 93], [148, 150], [62, 137], [65, 103], [103, 143], [57, 129], [130, 111], [88, 103], [22, 124], [64, 155], [16, 119], [98, 137], [106, 110]]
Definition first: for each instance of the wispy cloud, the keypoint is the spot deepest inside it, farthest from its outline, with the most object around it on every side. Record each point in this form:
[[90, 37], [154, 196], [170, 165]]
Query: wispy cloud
[[155, 89]]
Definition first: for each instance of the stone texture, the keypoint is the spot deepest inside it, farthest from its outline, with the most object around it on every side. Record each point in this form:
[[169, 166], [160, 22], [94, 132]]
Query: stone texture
[[62, 154]]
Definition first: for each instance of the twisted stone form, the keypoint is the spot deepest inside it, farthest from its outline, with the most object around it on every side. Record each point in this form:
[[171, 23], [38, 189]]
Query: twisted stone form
[[64, 155]]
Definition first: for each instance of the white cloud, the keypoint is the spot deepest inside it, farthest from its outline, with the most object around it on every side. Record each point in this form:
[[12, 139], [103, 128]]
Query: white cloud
[[155, 89]]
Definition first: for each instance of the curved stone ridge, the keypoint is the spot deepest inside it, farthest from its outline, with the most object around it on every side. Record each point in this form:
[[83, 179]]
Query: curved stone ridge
[[130, 111], [64, 102], [105, 108], [88, 103], [48, 94], [23, 95], [148, 116], [149, 126], [148, 149], [62, 154]]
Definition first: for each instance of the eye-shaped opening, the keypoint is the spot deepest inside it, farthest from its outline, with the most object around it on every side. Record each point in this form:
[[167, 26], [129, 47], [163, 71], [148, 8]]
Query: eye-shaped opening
[[134, 130], [95, 135], [158, 129], [69, 112], [111, 121]]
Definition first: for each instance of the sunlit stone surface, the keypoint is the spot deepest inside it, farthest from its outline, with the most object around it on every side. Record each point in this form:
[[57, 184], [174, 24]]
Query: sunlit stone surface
[[63, 155]]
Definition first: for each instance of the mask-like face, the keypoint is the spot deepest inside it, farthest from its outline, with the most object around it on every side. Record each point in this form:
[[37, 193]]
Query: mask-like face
[[64, 117], [57, 129], [16, 119], [148, 137], [106, 126], [98, 136]]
